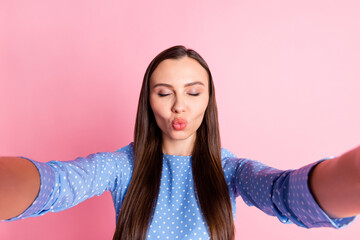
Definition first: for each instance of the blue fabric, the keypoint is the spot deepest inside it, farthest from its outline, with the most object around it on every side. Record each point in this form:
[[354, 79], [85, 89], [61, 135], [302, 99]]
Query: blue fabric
[[284, 194]]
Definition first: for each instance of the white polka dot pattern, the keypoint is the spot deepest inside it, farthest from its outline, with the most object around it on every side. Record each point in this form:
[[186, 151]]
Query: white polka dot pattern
[[284, 194]]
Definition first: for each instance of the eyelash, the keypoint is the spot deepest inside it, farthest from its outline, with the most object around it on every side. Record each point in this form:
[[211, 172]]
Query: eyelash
[[163, 95], [167, 94]]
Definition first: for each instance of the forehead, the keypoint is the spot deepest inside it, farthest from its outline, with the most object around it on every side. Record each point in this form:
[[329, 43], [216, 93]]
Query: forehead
[[179, 71]]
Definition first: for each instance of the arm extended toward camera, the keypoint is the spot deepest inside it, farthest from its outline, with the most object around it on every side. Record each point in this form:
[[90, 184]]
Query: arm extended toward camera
[[335, 184], [19, 186]]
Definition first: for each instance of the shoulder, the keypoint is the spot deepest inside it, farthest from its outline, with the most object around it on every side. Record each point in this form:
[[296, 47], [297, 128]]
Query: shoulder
[[126, 151], [230, 161], [124, 161], [125, 155], [226, 154], [121, 159]]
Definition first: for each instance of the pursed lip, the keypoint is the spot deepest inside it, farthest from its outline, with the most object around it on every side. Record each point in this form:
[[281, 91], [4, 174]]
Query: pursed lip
[[179, 124]]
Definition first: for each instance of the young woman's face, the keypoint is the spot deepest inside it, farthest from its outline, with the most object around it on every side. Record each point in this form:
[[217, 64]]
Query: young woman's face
[[179, 95]]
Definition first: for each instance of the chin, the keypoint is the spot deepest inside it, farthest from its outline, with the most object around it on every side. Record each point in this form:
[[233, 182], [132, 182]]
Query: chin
[[178, 136]]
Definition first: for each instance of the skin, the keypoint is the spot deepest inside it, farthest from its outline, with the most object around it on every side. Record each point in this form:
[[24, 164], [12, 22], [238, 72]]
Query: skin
[[334, 183], [179, 89], [19, 186]]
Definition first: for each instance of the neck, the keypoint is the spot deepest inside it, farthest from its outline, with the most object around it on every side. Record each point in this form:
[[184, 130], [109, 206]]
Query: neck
[[182, 147]]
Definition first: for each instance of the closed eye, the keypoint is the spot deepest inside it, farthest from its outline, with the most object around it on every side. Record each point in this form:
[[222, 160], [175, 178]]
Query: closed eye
[[194, 94], [163, 94]]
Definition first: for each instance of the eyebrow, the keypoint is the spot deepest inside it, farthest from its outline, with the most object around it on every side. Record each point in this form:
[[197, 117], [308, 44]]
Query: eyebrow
[[186, 85]]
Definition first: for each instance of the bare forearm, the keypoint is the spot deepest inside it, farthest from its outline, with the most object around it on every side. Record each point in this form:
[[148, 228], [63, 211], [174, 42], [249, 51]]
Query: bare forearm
[[19, 186], [335, 184]]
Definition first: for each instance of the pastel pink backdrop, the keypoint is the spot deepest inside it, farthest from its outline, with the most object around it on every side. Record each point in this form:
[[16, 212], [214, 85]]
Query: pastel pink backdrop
[[286, 72]]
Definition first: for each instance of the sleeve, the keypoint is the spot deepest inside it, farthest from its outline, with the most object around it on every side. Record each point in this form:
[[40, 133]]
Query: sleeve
[[284, 194], [64, 184]]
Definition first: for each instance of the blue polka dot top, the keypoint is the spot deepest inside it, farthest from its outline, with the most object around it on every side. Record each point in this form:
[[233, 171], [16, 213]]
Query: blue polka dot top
[[284, 194]]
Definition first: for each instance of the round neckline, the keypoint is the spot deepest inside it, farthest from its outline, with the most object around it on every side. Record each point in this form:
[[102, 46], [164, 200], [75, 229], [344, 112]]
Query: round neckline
[[176, 156]]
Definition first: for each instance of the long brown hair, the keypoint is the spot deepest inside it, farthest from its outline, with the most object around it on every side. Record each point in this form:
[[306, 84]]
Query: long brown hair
[[211, 189]]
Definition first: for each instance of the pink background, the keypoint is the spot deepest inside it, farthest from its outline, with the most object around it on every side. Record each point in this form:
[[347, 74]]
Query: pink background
[[286, 73]]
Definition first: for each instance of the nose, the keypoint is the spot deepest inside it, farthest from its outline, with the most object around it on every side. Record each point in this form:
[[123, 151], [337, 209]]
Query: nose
[[179, 105]]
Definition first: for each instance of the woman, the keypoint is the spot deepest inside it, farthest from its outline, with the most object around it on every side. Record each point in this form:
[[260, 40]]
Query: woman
[[175, 181]]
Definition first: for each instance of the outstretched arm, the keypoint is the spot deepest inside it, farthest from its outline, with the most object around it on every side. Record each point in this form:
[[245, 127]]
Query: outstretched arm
[[335, 185], [19, 186]]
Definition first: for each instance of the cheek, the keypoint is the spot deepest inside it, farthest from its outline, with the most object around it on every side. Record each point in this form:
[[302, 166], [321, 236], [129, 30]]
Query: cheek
[[154, 105], [158, 110], [202, 105], [200, 110]]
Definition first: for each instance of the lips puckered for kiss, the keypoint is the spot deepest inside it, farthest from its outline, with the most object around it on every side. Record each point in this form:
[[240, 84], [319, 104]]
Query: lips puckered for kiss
[[179, 124]]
